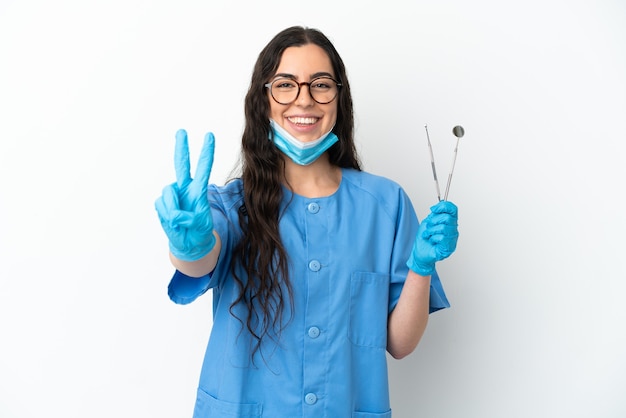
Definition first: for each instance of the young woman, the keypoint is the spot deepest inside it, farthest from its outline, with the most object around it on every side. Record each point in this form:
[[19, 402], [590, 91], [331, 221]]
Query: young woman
[[317, 267]]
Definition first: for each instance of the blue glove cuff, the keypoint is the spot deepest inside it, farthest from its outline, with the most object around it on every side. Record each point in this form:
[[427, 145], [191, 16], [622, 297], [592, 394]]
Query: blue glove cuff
[[422, 270], [193, 254]]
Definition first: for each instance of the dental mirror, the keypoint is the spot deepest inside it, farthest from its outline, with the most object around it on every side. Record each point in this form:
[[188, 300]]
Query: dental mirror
[[458, 132]]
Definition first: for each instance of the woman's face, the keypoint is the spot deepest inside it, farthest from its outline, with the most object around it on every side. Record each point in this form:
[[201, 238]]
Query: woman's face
[[304, 118]]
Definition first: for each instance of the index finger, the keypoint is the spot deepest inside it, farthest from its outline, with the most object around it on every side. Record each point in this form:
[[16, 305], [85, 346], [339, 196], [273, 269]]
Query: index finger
[[181, 158], [205, 162], [445, 206]]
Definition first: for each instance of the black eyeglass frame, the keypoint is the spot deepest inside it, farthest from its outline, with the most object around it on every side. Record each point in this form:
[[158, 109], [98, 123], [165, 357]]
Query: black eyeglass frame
[[304, 83]]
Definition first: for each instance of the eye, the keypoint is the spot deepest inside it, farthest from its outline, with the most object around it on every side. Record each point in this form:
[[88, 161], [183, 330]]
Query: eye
[[322, 84], [284, 84]]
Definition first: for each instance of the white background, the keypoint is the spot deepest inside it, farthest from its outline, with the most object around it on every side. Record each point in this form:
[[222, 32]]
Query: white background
[[92, 92]]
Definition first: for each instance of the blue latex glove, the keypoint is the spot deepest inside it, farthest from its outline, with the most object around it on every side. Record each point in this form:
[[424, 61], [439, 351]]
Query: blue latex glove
[[436, 238], [183, 208]]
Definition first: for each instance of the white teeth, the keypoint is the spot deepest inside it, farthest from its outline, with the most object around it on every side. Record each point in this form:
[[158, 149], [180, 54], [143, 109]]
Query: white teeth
[[303, 121]]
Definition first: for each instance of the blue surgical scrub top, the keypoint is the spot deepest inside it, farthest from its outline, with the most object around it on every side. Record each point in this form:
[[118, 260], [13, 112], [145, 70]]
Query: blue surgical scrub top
[[347, 261]]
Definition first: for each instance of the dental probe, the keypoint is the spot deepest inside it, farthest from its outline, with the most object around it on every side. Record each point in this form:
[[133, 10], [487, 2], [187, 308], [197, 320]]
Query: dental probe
[[432, 163]]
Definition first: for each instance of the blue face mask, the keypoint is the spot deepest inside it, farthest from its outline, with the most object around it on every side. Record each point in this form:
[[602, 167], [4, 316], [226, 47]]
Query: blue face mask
[[303, 153]]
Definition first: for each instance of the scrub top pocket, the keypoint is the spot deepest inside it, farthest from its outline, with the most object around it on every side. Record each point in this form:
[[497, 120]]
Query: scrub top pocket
[[208, 406], [369, 301]]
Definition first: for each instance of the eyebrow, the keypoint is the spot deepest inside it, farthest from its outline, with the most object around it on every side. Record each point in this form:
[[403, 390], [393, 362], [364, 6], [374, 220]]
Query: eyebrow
[[313, 76]]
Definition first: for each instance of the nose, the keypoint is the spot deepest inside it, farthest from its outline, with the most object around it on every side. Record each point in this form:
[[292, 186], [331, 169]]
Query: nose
[[304, 99]]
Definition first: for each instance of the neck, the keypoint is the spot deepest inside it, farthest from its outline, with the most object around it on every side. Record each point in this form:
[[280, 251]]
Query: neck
[[318, 179]]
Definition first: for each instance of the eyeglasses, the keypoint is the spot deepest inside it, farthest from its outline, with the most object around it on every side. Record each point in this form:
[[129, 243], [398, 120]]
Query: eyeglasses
[[286, 90]]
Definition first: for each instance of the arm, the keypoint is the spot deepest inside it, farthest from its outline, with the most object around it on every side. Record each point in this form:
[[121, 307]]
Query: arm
[[436, 240], [407, 322]]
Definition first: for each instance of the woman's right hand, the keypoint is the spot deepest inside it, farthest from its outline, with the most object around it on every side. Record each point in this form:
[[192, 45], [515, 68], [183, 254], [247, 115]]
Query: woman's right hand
[[183, 208]]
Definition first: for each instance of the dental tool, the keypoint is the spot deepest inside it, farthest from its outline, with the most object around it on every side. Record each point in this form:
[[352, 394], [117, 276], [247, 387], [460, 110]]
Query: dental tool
[[432, 163], [458, 132]]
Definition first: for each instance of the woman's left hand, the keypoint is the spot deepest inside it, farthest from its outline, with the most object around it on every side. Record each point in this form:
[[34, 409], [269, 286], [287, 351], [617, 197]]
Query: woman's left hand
[[436, 239]]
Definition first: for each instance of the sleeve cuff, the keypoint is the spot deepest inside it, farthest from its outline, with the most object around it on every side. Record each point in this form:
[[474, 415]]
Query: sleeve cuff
[[438, 299], [184, 289]]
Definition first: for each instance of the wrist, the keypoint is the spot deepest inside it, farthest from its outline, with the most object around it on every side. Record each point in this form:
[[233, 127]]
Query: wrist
[[195, 253], [421, 268]]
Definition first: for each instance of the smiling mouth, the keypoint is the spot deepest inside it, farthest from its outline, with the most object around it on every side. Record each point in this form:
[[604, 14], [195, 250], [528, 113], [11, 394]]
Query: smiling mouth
[[302, 121]]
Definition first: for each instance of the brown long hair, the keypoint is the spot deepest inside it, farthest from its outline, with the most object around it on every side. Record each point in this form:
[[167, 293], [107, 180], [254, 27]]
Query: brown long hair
[[266, 288]]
